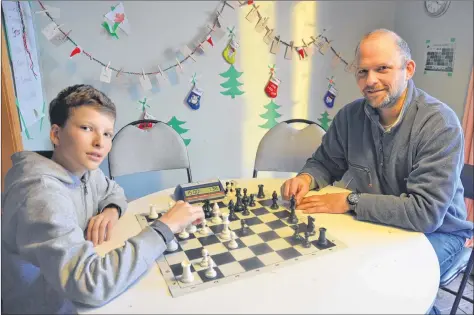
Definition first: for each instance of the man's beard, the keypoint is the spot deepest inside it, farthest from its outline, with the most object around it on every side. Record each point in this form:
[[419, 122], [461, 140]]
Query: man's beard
[[390, 99]]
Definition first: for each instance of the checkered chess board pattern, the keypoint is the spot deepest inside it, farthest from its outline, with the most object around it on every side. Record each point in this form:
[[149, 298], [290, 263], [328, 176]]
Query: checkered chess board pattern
[[267, 244]]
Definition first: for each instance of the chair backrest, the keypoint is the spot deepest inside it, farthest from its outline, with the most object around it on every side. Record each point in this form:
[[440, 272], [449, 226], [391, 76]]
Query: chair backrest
[[286, 149], [136, 150], [467, 174]]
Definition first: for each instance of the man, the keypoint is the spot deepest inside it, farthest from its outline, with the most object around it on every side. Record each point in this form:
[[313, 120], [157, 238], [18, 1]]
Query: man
[[55, 211], [402, 150]]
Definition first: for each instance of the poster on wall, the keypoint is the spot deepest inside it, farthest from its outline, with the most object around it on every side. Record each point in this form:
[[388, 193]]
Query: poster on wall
[[440, 56]]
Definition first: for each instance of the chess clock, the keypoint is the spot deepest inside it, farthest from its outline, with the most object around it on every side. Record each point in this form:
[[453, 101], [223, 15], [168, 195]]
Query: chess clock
[[200, 191], [436, 8]]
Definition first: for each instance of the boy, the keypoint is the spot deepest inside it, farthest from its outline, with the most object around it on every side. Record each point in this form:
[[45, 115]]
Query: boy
[[48, 260]]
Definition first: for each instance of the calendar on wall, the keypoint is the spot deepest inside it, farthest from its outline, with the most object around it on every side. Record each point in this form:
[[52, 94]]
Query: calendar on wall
[[440, 56]]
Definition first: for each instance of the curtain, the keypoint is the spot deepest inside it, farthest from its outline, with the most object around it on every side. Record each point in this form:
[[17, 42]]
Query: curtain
[[468, 127]]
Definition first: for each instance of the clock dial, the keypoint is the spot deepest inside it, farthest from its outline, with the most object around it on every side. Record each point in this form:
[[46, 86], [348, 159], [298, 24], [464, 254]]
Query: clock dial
[[436, 8]]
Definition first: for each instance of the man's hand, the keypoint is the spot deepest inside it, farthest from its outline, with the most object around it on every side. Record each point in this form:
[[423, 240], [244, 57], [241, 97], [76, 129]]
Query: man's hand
[[181, 215], [100, 225], [328, 203], [298, 186]]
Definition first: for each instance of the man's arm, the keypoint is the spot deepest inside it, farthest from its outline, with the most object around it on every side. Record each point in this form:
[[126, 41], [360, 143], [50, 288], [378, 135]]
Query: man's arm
[[328, 163], [431, 185], [110, 194], [49, 236]]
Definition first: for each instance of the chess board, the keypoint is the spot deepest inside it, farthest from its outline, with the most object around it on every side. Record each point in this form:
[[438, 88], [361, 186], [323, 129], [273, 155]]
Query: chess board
[[268, 244]]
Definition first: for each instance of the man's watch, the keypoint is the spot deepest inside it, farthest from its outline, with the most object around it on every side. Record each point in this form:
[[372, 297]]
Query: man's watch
[[353, 199]]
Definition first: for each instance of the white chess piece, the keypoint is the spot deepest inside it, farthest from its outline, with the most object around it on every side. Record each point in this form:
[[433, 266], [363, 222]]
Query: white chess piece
[[204, 230], [171, 204], [216, 219], [211, 272], [187, 276], [205, 258], [191, 228], [153, 213], [172, 246], [184, 234], [225, 234], [233, 244]]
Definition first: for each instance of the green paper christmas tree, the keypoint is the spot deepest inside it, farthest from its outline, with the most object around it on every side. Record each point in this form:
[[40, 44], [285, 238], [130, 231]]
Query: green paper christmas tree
[[176, 125], [325, 120], [231, 84], [271, 114]]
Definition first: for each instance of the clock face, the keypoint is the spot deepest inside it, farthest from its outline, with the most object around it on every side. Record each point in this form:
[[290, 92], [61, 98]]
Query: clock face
[[436, 8]]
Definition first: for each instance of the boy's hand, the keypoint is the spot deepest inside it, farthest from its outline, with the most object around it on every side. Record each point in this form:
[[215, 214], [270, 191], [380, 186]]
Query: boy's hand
[[181, 215], [100, 225]]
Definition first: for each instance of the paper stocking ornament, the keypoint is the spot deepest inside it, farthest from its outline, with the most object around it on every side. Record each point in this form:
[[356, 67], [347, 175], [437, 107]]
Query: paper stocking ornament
[[330, 96], [194, 98], [230, 51], [272, 87]]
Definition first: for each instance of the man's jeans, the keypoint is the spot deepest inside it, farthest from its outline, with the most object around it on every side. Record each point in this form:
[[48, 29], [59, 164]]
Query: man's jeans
[[446, 246]]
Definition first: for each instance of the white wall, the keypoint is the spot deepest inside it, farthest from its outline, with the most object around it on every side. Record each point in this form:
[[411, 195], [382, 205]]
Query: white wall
[[415, 26]]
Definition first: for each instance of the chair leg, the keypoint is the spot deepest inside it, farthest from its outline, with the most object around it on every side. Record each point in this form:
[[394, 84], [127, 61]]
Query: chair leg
[[190, 177], [467, 272], [254, 173]]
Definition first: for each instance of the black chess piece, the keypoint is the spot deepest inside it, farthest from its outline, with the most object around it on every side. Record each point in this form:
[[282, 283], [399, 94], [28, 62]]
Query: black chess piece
[[252, 200], [245, 210], [274, 205], [292, 202], [232, 215], [226, 188], [238, 204], [231, 187], [207, 209], [310, 226], [237, 192], [260, 194], [306, 243], [245, 198], [296, 235], [322, 237], [244, 227], [292, 219]]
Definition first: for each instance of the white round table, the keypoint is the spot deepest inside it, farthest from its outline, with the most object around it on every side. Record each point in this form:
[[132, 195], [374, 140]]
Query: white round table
[[382, 270]]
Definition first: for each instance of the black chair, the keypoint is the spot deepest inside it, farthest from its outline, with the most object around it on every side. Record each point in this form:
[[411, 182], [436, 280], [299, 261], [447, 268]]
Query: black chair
[[46, 154], [286, 149], [464, 261]]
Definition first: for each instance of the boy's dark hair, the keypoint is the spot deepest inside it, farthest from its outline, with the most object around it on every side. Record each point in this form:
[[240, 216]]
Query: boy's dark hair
[[76, 96]]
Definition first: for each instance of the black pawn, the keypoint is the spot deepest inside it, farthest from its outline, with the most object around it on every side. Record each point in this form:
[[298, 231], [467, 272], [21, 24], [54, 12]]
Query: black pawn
[[296, 235], [260, 191], [310, 226], [245, 210], [306, 243], [243, 227], [274, 205], [252, 200], [226, 188], [292, 219], [237, 192], [207, 210], [322, 237], [245, 198], [292, 202]]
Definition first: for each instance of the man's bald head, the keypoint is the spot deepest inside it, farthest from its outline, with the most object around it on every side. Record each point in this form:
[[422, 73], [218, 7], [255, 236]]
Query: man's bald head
[[399, 42]]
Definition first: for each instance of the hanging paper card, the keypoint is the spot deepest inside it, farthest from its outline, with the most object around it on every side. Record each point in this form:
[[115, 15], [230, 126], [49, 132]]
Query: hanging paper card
[[51, 31], [252, 15], [275, 45], [218, 34], [118, 18], [106, 74], [289, 51], [324, 47], [268, 36], [262, 23], [145, 82]]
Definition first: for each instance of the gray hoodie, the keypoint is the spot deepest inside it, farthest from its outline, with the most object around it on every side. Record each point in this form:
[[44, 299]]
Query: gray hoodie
[[46, 262], [409, 176]]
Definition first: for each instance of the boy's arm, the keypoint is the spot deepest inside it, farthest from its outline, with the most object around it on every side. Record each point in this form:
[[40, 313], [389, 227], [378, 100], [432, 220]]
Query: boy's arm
[[328, 163], [109, 193], [49, 236]]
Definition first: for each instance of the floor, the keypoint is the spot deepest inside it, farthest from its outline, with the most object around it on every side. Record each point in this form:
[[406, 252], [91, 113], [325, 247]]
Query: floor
[[444, 300]]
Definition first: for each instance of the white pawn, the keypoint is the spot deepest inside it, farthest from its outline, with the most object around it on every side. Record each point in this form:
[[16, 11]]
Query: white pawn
[[225, 234], [184, 234], [191, 228], [216, 219], [204, 229], [187, 276], [153, 213], [205, 258], [172, 246], [210, 272], [233, 244]]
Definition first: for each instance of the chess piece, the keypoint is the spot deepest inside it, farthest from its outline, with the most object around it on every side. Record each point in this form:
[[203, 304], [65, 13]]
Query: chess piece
[[231, 187], [227, 188], [191, 228], [260, 194], [296, 235], [252, 200], [245, 210], [322, 237], [274, 205], [306, 243], [292, 219], [187, 275], [153, 215], [205, 258], [207, 209], [204, 229], [184, 234], [243, 227], [239, 205], [225, 234], [237, 192], [292, 202], [310, 226], [245, 198], [231, 207], [233, 244], [172, 246], [216, 219], [211, 272]]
